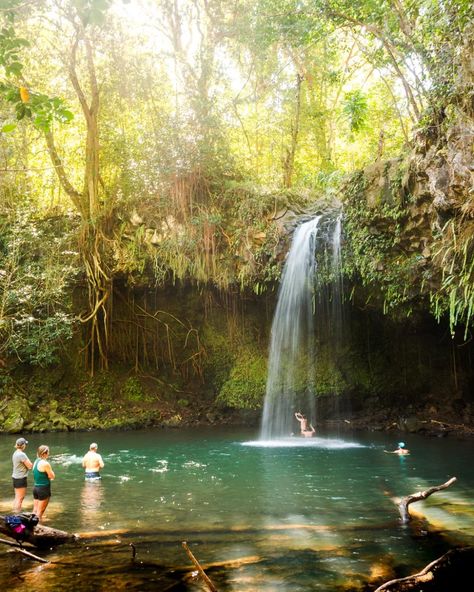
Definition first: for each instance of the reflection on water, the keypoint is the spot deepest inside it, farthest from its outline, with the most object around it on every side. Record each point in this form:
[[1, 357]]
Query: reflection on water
[[292, 514], [92, 495]]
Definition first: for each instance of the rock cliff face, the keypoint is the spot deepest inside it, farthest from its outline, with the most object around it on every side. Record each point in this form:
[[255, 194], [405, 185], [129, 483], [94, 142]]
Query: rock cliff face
[[410, 221], [409, 226], [440, 171]]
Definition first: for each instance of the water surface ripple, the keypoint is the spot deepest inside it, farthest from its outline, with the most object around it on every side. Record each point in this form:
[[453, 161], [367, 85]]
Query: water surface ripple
[[291, 514]]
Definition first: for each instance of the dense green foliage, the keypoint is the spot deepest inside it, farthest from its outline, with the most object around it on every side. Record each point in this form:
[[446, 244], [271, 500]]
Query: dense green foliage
[[246, 382], [162, 143], [35, 287], [376, 254]]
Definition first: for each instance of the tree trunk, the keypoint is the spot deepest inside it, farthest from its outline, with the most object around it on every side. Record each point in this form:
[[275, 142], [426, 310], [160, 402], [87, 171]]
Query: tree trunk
[[416, 497], [452, 571], [94, 220], [289, 159], [41, 536]]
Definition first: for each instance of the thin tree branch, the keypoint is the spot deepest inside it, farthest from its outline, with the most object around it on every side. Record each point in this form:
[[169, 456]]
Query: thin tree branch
[[76, 197]]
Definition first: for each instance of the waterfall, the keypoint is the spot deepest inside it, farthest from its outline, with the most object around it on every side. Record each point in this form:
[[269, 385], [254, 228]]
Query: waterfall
[[291, 382], [291, 367]]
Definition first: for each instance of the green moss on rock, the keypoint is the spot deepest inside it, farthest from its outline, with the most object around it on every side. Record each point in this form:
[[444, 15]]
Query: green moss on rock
[[245, 387], [16, 414]]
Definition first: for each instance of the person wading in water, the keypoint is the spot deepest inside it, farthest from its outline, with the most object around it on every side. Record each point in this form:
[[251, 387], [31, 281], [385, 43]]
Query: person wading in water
[[21, 465], [43, 475], [92, 462]]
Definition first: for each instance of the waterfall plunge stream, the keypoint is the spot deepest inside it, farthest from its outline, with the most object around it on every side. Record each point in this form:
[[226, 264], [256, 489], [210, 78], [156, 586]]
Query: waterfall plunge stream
[[291, 383]]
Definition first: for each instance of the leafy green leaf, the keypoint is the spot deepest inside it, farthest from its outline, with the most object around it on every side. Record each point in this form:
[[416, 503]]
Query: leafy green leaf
[[14, 68], [9, 127], [65, 116]]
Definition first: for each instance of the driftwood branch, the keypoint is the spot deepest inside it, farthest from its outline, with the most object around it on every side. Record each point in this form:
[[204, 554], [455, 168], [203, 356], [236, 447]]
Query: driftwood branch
[[449, 572], [453, 426], [416, 497], [4, 542], [30, 555], [40, 536], [202, 573], [18, 548]]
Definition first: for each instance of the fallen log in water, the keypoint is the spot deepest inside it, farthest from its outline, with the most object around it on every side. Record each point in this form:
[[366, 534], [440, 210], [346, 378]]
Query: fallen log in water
[[39, 536], [449, 572], [416, 497]]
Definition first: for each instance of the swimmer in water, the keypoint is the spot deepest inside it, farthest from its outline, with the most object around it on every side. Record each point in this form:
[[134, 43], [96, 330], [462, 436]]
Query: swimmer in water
[[401, 450]]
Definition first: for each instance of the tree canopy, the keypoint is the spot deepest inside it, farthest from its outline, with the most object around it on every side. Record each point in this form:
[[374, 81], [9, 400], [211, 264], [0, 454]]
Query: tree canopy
[[174, 132]]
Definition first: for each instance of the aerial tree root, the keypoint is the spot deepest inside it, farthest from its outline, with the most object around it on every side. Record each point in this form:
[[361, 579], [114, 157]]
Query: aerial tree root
[[416, 497], [449, 572]]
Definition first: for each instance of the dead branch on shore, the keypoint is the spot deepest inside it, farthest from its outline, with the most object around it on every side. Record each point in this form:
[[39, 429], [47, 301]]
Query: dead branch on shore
[[453, 426], [9, 543], [448, 572], [416, 497], [19, 549], [30, 555], [202, 573]]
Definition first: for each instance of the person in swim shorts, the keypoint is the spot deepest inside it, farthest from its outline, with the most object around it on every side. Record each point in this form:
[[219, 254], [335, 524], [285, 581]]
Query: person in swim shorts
[[43, 475], [21, 465], [92, 462]]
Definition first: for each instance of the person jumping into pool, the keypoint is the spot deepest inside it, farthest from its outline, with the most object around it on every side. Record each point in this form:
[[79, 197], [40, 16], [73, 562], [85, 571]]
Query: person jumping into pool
[[92, 463], [400, 450], [307, 430]]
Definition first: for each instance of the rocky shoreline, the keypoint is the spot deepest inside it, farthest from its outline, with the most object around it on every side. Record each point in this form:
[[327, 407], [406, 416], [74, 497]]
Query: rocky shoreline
[[411, 425], [19, 415]]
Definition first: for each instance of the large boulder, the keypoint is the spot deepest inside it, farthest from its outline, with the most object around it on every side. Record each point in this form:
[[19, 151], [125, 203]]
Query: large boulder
[[17, 412], [411, 424]]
